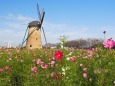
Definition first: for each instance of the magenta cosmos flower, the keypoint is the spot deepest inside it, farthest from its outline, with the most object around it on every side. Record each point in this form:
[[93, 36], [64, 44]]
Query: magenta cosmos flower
[[109, 43], [58, 55]]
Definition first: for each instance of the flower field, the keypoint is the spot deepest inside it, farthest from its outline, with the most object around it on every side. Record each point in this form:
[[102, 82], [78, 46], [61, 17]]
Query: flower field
[[57, 67]]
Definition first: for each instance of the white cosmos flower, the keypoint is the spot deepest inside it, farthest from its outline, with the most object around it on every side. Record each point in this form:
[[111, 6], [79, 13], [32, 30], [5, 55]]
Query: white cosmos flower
[[63, 69], [68, 59], [63, 73]]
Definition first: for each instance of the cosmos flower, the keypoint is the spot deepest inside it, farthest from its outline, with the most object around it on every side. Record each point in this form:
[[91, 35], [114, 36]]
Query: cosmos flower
[[85, 75], [34, 69], [58, 55], [55, 75], [114, 82], [39, 61], [109, 43], [34, 60], [46, 66], [68, 59], [7, 67], [1, 69], [72, 59], [81, 65], [52, 62], [85, 69]]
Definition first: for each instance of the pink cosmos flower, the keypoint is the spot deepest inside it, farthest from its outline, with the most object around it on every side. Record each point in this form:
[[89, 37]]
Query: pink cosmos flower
[[34, 69], [53, 74], [93, 49], [34, 60], [72, 59], [90, 56], [1, 69], [109, 43], [42, 65], [52, 62], [46, 66], [21, 60], [53, 58], [85, 69], [81, 65], [85, 75], [39, 61], [56, 65], [7, 67], [70, 53]]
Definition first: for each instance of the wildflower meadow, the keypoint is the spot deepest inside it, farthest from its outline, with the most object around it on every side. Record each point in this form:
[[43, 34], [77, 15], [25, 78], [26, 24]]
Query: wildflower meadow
[[58, 67]]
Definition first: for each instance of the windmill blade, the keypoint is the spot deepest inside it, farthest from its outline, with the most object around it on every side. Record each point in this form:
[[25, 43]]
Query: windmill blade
[[42, 17], [39, 14], [30, 34], [24, 37], [44, 35], [27, 37]]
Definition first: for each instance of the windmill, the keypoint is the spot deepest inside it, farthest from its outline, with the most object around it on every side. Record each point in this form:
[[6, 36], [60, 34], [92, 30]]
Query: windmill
[[33, 39]]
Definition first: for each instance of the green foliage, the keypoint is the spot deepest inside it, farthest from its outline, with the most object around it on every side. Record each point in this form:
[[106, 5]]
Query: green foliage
[[98, 65]]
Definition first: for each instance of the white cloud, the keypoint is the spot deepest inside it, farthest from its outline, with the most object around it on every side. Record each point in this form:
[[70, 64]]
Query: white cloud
[[52, 26], [54, 31], [11, 35], [19, 18], [9, 16], [14, 30]]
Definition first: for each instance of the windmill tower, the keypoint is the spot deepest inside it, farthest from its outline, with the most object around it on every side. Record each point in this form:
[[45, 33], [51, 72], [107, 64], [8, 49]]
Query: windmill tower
[[34, 40], [34, 28]]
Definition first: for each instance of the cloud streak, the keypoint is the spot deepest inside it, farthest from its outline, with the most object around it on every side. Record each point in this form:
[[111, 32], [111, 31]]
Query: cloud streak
[[14, 27], [54, 31]]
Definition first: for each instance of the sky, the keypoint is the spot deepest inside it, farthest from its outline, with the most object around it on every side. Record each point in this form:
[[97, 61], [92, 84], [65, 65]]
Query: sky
[[75, 19]]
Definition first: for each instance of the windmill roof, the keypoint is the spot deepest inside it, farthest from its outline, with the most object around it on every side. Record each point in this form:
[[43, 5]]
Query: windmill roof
[[33, 24]]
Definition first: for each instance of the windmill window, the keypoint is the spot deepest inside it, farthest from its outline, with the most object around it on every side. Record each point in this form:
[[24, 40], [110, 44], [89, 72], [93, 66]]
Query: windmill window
[[30, 45]]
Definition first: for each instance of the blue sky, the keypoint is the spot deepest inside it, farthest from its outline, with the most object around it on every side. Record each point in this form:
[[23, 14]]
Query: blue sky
[[73, 18]]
